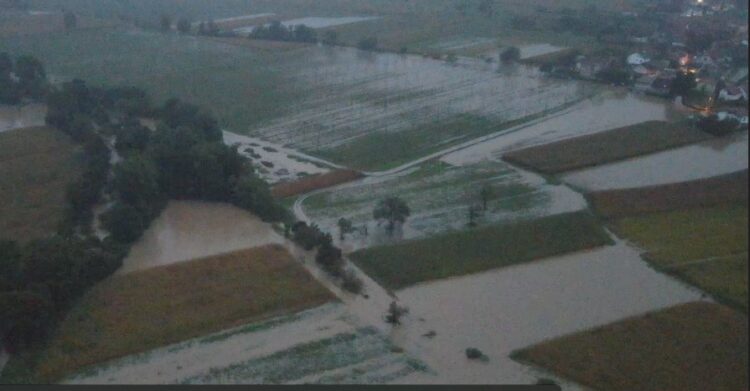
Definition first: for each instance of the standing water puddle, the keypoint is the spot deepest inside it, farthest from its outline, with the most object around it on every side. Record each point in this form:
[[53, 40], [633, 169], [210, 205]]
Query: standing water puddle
[[190, 230]]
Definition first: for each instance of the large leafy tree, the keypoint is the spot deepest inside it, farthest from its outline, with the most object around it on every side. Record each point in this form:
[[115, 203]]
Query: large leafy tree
[[393, 210]]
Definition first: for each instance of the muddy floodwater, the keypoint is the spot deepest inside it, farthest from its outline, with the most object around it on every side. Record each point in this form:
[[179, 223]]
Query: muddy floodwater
[[26, 116], [704, 160], [507, 309], [189, 230], [609, 110]]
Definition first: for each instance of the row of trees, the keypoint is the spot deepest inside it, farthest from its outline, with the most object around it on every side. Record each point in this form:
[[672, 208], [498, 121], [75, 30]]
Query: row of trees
[[22, 79], [275, 31], [328, 256]]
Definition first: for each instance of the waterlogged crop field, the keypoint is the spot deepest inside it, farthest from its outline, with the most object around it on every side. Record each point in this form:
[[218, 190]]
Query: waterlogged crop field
[[320, 345], [376, 110], [361, 109], [439, 196]]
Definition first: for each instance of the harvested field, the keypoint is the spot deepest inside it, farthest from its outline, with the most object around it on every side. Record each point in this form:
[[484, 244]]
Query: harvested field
[[726, 189], [36, 166], [145, 310], [473, 251], [706, 247], [308, 184], [693, 347], [606, 147]]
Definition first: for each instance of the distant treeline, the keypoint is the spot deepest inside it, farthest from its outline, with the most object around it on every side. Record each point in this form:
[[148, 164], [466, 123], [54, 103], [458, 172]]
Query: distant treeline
[[184, 158]]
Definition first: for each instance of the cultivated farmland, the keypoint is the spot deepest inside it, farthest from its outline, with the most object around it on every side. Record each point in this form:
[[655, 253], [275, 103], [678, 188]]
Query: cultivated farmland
[[145, 310], [467, 252], [36, 166], [606, 147], [706, 247], [697, 346]]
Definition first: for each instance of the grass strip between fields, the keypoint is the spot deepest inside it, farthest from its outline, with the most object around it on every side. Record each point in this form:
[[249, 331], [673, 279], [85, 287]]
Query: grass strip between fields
[[476, 250], [606, 147], [693, 347], [141, 311]]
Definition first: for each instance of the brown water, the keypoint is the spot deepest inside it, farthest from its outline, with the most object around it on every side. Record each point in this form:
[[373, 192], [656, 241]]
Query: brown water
[[507, 309], [609, 110], [704, 160], [26, 116], [189, 230]]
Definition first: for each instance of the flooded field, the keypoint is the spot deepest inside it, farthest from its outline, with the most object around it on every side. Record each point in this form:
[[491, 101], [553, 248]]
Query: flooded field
[[275, 163], [612, 109], [508, 309], [26, 116], [189, 230], [529, 51], [322, 345], [704, 160], [360, 95], [439, 197]]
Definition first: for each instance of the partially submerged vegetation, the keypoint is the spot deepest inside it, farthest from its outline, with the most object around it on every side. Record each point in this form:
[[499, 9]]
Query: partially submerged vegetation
[[693, 347], [466, 252], [606, 147], [148, 309]]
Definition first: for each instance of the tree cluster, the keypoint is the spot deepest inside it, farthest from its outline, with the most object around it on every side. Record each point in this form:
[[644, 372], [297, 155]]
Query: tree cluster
[[22, 79], [275, 31], [328, 256], [40, 281]]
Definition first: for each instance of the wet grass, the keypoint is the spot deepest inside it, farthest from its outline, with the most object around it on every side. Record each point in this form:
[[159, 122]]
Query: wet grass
[[692, 347], [477, 250], [706, 247], [36, 166], [606, 147], [145, 310]]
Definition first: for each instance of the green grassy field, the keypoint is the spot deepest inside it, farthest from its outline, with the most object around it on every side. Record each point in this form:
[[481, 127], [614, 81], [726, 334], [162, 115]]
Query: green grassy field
[[606, 147], [473, 251], [705, 247], [693, 347], [240, 85], [144, 310], [36, 166]]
